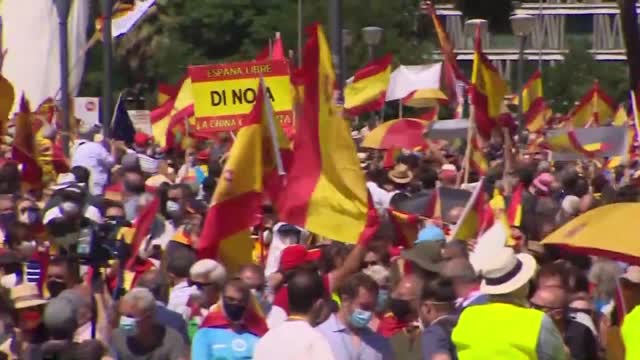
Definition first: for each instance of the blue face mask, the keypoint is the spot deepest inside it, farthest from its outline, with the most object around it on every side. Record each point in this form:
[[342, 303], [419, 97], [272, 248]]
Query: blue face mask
[[383, 297], [361, 318], [128, 325]]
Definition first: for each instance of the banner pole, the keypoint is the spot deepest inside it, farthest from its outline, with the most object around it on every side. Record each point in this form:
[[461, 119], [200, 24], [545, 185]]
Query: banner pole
[[272, 129], [467, 153]]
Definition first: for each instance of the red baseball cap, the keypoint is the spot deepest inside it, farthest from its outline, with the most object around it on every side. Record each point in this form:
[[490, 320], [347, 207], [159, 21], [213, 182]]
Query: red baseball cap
[[141, 139], [296, 255], [203, 155]]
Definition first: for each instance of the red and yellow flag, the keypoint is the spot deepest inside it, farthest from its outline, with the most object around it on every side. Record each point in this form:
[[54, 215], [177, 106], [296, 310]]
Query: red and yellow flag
[[536, 112], [24, 149], [367, 91], [594, 108], [568, 142], [478, 159], [235, 205], [405, 226], [487, 91], [326, 192], [451, 73], [475, 217], [7, 97]]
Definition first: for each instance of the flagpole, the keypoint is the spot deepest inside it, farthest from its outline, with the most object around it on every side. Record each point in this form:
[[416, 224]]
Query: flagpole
[[634, 106], [467, 153], [272, 130], [400, 109]]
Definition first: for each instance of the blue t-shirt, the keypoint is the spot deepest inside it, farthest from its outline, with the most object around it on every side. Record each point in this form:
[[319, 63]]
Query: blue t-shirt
[[222, 344]]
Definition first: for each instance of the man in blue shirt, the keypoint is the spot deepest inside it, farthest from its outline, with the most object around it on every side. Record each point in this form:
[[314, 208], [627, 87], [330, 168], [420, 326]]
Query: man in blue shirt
[[348, 331], [229, 331], [437, 312]]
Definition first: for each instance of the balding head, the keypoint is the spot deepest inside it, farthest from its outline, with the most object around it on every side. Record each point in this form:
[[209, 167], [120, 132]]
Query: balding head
[[156, 282], [551, 300], [453, 216], [460, 269]]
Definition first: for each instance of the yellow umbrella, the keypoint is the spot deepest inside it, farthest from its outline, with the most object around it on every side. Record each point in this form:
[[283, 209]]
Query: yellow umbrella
[[424, 98], [609, 231]]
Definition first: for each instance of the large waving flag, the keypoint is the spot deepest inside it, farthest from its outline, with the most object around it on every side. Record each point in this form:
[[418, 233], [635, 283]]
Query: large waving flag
[[478, 159], [536, 112], [273, 51], [237, 199], [594, 108], [367, 90], [476, 217], [326, 192], [451, 74], [487, 91], [24, 149], [125, 16]]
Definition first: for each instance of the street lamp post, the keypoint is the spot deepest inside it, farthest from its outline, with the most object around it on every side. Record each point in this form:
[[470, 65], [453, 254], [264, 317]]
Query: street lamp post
[[62, 8], [372, 36], [522, 26], [347, 40], [107, 67], [335, 31]]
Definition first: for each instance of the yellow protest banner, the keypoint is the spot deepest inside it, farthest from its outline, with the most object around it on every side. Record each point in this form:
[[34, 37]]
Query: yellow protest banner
[[224, 94]]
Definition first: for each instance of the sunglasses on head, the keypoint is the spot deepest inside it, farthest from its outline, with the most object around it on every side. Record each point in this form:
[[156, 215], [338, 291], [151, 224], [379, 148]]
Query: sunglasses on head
[[200, 285]]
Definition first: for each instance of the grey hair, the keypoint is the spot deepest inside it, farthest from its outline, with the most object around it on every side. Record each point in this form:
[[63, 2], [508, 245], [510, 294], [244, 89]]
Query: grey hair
[[60, 317], [142, 298]]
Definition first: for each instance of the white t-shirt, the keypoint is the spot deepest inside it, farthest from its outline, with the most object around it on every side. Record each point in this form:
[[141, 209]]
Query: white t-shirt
[[293, 340]]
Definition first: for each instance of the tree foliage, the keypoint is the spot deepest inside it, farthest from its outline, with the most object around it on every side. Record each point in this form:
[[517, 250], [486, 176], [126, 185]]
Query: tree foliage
[[181, 33], [566, 82]]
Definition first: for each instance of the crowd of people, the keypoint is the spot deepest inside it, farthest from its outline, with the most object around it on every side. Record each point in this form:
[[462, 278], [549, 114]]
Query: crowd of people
[[75, 285]]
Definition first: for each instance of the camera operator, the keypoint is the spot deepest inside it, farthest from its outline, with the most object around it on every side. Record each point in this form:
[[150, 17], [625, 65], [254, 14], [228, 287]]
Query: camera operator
[[72, 222]]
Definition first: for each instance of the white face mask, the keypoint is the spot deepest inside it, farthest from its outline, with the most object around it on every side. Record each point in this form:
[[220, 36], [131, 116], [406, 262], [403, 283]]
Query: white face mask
[[173, 207]]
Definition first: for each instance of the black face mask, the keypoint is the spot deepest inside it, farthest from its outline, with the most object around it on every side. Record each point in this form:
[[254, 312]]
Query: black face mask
[[117, 220], [55, 287], [234, 312], [401, 309]]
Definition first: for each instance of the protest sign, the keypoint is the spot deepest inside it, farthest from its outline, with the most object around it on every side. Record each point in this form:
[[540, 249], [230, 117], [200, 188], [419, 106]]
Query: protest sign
[[141, 120], [87, 110], [224, 94]]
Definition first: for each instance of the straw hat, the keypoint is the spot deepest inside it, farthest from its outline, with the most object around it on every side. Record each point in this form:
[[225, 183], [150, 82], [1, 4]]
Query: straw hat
[[507, 272], [26, 295], [401, 174]]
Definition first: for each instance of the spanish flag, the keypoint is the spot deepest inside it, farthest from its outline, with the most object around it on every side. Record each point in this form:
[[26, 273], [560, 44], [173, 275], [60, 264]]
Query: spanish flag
[[534, 107], [24, 149], [451, 72], [167, 92], [594, 108], [621, 117], [487, 91], [567, 141], [368, 88], [405, 226], [236, 203], [614, 161], [478, 160], [514, 211], [326, 192], [475, 217]]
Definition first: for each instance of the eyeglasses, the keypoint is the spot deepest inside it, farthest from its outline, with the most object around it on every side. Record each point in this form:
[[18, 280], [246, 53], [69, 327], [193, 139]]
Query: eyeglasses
[[544, 308]]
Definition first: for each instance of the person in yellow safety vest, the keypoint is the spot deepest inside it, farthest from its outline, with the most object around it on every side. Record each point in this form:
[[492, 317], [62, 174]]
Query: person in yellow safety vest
[[631, 334], [505, 328]]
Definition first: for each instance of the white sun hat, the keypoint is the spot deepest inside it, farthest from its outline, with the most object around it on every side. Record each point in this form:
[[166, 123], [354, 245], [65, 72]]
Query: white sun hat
[[507, 272]]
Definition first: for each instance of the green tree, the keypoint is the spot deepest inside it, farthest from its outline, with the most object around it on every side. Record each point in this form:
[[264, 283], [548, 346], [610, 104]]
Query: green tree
[[566, 82], [180, 33]]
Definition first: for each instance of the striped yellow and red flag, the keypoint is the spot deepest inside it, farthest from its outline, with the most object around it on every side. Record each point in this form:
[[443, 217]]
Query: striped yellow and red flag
[[477, 159], [614, 161], [536, 112], [514, 211], [119, 11], [326, 192], [368, 88], [475, 217], [236, 202], [487, 91], [24, 148], [167, 92], [621, 117], [405, 226], [451, 73], [568, 142], [594, 108]]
